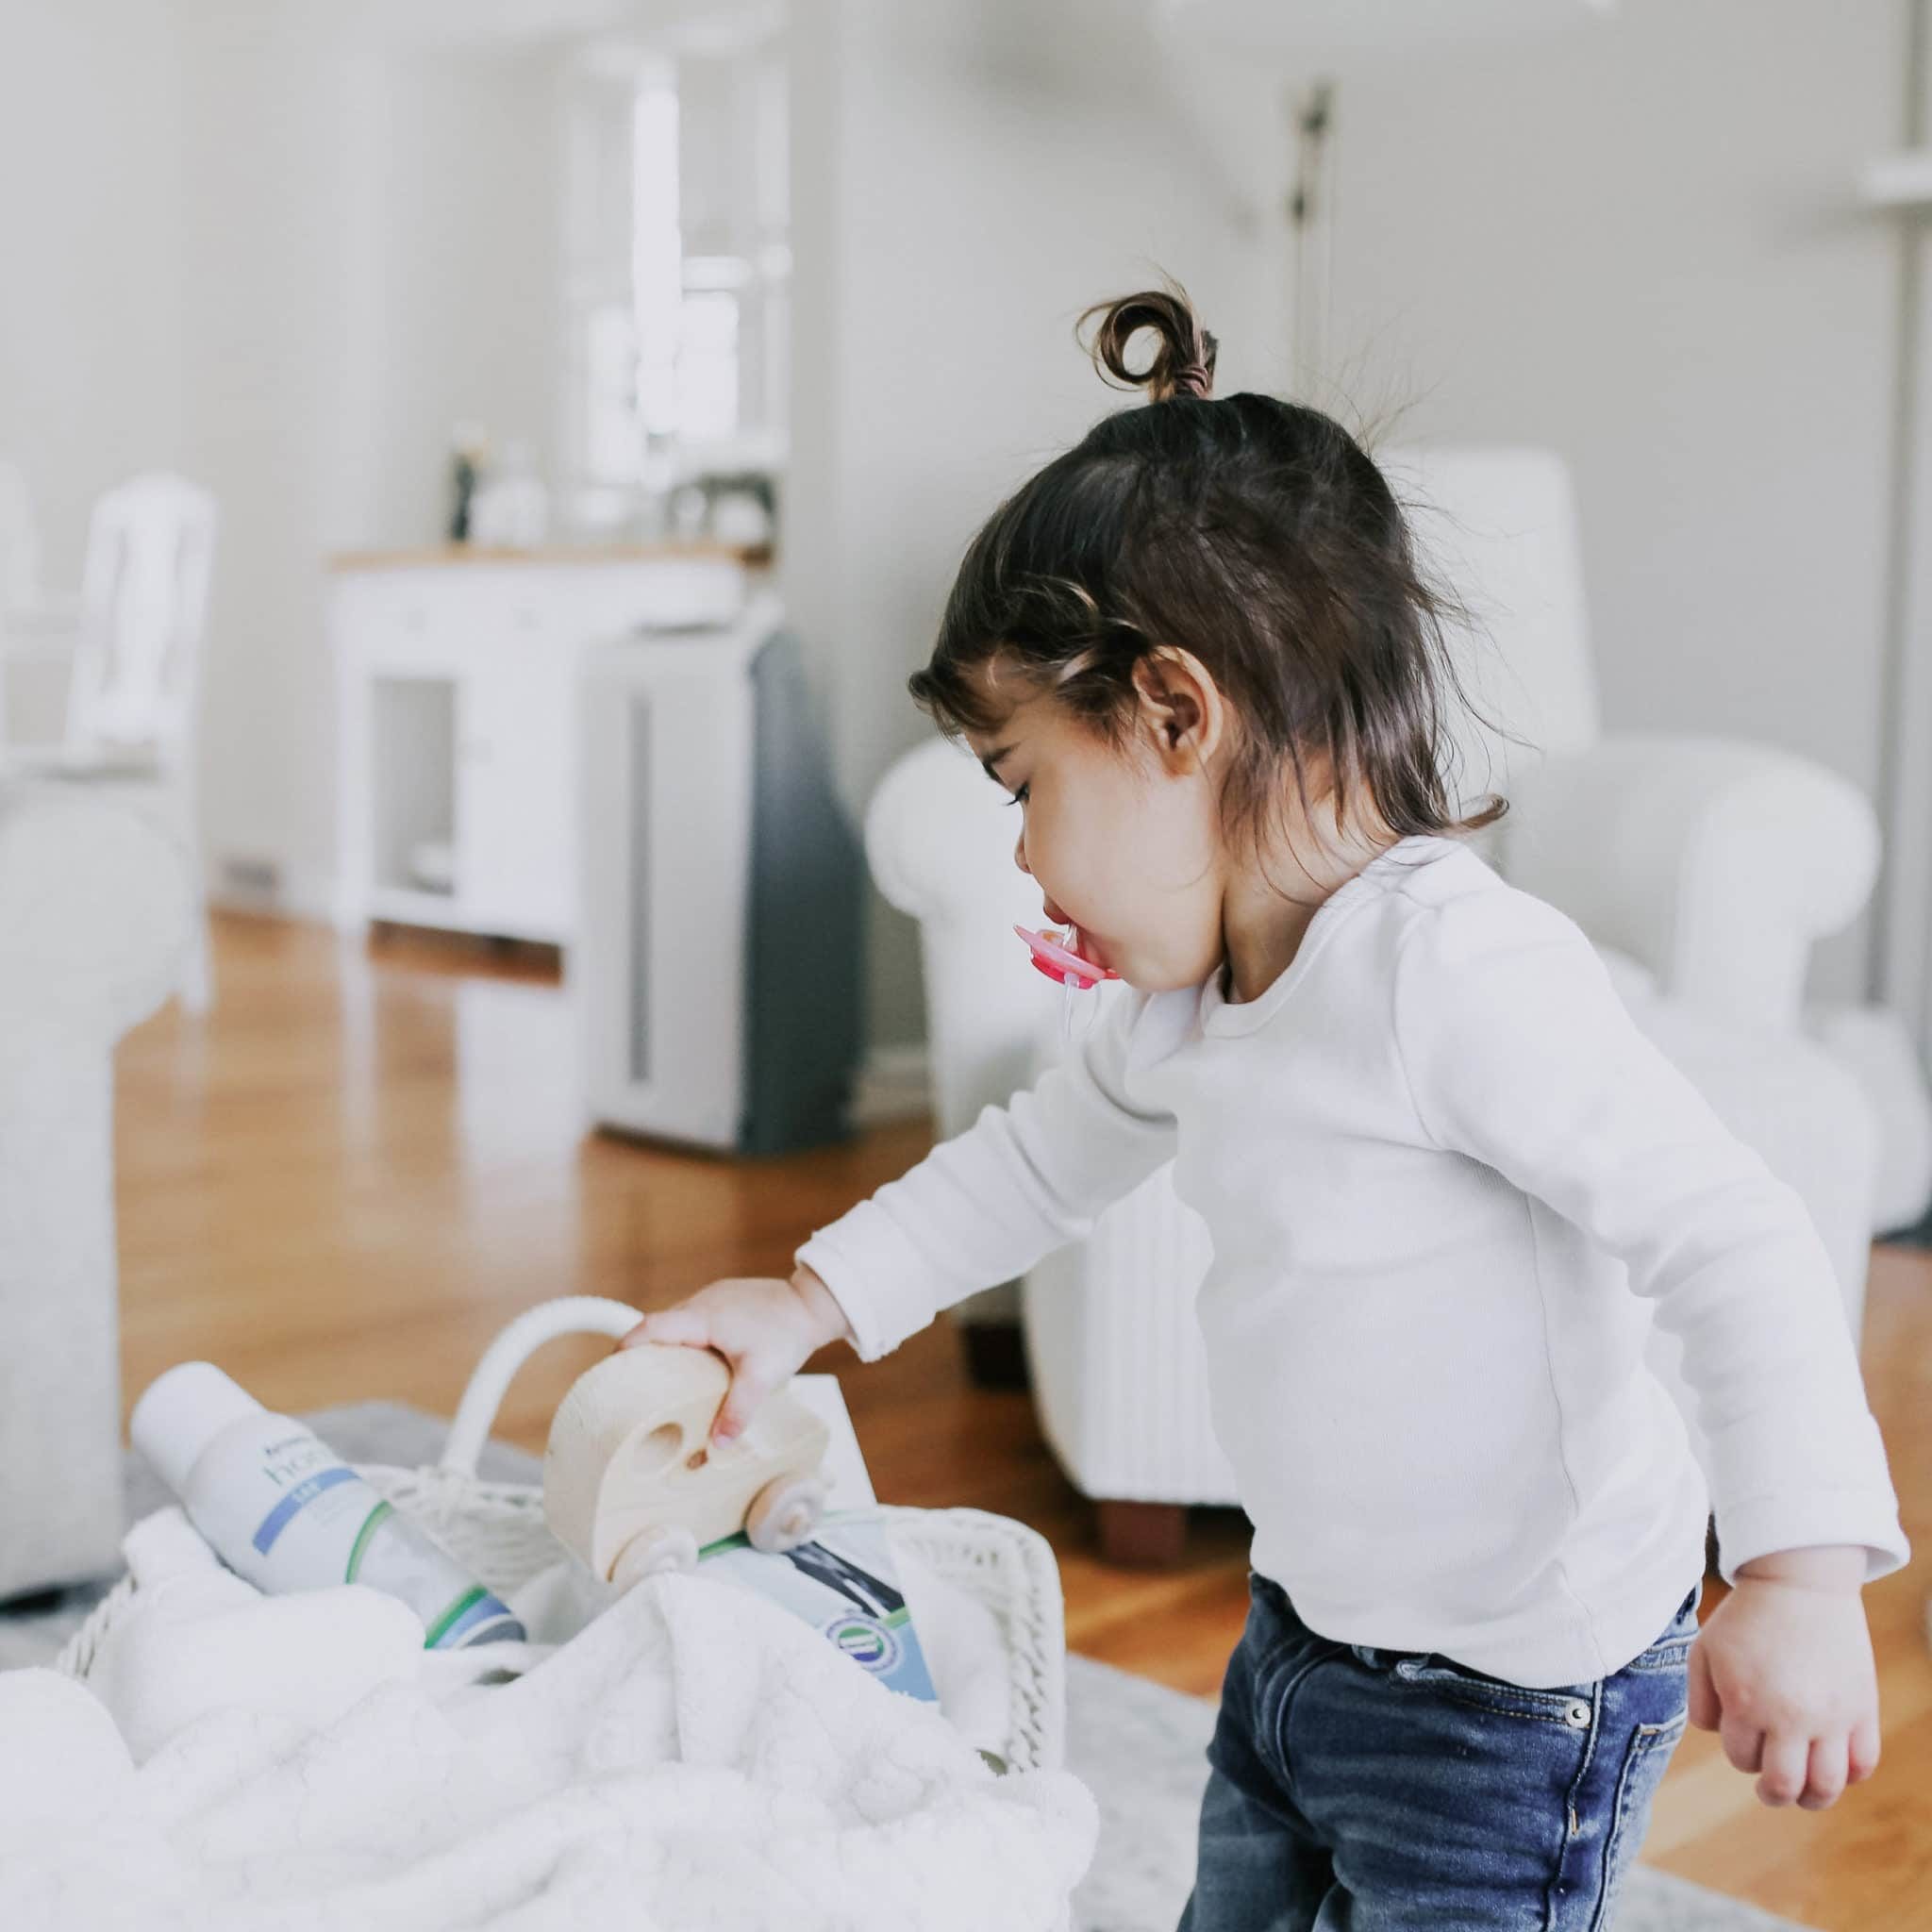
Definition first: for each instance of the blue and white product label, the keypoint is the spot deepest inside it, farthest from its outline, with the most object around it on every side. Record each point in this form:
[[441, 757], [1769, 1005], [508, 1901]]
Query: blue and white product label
[[845, 1585], [317, 1523]]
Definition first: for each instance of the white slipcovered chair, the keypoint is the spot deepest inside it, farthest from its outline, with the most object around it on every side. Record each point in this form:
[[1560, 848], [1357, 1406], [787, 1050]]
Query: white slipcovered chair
[[135, 689], [1703, 869], [95, 917]]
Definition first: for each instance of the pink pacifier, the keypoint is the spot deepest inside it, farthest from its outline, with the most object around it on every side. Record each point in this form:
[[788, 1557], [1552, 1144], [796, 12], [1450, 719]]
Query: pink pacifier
[[1053, 956]]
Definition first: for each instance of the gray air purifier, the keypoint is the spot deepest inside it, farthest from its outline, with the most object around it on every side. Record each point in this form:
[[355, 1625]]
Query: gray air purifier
[[717, 972]]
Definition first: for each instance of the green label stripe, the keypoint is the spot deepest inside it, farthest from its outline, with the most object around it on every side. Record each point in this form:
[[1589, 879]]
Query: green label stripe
[[362, 1537], [472, 1595]]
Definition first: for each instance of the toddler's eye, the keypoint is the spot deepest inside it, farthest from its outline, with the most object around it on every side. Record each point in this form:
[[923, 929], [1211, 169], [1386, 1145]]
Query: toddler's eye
[[1020, 796]]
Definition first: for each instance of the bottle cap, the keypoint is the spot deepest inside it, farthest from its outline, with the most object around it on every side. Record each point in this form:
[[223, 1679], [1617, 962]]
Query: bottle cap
[[181, 1413]]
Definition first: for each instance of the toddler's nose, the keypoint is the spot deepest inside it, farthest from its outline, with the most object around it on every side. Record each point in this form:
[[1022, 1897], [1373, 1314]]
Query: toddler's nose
[[1020, 855]]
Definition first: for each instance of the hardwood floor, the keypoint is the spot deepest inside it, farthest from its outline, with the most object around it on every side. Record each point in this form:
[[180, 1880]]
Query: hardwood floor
[[368, 1159]]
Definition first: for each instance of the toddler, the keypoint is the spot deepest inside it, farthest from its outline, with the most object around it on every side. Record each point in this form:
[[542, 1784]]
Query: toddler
[[1440, 1165]]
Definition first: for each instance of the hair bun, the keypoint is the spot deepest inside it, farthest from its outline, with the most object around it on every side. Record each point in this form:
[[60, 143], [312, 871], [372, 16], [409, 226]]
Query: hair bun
[[1183, 363]]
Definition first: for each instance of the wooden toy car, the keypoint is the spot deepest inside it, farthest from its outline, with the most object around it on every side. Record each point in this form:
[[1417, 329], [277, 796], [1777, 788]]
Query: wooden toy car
[[633, 1484]]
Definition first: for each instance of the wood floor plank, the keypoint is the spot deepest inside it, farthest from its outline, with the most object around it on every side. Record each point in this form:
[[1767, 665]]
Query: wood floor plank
[[370, 1159]]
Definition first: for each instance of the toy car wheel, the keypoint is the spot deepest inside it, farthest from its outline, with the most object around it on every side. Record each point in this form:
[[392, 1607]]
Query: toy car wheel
[[654, 1552], [784, 1513]]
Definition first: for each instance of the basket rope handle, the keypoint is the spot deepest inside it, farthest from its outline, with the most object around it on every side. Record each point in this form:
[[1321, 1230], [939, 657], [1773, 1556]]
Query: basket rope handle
[[576, 1314]]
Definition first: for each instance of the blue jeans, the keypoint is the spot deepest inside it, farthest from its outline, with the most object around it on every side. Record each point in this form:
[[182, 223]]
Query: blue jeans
[[1358, 1790]]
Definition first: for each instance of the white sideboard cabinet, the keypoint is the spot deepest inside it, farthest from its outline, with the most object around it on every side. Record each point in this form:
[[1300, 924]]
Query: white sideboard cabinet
[[456, 681]]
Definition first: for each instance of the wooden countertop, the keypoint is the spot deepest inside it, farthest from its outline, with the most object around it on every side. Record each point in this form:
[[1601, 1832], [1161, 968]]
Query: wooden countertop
[[465, 556]]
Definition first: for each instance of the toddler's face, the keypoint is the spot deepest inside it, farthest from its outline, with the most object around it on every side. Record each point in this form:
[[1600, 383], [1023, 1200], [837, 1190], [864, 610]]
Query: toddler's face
[[1125, 845]]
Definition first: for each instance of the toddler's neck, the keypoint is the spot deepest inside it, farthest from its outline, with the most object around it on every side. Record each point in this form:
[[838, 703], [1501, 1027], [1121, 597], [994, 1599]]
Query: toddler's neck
[[1266, 912]]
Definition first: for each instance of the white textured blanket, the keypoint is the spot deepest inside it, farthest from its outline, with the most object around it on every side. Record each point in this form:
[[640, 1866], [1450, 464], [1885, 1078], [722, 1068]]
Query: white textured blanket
[[694, 1759]]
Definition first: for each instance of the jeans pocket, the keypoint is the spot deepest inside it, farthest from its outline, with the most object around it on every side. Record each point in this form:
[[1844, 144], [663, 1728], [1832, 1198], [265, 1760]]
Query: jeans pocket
[[1646, 1758]]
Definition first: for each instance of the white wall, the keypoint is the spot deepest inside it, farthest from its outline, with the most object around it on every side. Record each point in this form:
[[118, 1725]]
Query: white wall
[[278, 189], [467, 242], [90, 216], [371, 240], [283, 246], [1638, 244], [952, 216]]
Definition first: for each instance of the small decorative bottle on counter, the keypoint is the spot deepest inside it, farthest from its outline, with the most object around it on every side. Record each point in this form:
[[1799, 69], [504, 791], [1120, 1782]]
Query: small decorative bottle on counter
[[468, 451]]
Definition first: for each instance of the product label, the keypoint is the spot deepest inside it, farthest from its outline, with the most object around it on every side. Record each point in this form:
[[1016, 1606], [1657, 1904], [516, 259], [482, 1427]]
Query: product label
[[288, 1514], [845, 1583], [277, 1518]]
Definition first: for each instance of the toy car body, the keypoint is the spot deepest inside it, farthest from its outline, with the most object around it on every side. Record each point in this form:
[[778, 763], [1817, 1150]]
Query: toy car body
[[632, 1482]]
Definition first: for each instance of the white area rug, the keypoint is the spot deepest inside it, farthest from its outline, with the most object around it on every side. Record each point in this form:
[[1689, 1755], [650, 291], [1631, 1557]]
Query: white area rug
[[1138, 1746]]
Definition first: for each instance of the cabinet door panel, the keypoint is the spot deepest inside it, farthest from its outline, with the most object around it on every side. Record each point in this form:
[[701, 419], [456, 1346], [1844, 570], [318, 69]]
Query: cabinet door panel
[[516, 788]]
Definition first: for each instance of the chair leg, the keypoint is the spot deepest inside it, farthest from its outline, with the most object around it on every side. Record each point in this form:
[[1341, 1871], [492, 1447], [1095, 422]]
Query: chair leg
[[1142, 1536], [996, 1354]]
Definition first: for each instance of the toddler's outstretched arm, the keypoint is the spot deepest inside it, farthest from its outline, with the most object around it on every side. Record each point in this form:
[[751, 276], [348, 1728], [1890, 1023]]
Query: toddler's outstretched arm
[[1025, 1180], [979, 1209]]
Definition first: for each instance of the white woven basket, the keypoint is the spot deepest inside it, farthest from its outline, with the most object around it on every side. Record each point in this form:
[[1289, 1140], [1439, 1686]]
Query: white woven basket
[[497, 1532]]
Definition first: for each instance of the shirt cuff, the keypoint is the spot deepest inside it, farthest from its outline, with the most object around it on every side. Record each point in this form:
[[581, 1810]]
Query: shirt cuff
[[857, 1254], [1807, 1519]]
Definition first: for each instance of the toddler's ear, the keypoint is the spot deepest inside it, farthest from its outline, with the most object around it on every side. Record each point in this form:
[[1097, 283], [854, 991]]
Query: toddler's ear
[[1182, 706]]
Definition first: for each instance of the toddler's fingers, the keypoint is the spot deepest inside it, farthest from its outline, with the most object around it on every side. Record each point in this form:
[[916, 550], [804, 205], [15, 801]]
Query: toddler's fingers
[[1864, 1753], [1824, 1780], [749, 1388], [680, 1324], [1787, 1759], [1743, 1742], [1706, 1709]]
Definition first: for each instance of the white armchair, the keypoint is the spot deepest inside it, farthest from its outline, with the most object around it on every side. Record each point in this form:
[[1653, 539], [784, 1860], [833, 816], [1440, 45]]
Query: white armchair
[[1703, 869]]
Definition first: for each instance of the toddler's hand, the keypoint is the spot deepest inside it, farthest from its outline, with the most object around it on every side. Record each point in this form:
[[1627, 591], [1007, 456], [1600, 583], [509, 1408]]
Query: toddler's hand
[[765, 1329], [1782, 1669]]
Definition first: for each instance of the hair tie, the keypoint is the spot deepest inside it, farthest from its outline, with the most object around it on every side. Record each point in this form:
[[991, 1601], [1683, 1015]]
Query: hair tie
[[1196, 379]]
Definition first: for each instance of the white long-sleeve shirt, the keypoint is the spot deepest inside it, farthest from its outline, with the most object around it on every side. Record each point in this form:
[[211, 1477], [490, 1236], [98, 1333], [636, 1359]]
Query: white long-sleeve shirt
[[1436, 1157]]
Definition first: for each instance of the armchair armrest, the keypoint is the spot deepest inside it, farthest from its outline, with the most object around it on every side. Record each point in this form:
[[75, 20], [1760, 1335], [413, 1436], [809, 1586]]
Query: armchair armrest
[[1716, 863], [96, 901], [940, 849], [934, 839]]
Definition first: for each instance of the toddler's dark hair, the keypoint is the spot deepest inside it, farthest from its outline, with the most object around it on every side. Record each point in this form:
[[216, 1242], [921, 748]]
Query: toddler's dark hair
[[1253, 532]]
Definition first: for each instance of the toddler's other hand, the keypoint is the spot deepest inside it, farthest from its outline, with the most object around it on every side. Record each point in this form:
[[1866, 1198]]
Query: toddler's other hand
[[765, 1329], [1782, 1669]]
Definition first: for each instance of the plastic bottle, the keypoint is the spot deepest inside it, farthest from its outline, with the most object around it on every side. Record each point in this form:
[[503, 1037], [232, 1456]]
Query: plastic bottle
[[283, 1510]]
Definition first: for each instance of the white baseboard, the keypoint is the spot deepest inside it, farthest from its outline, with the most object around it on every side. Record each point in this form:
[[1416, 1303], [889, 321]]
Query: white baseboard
[[894, 1083], [273, 892]]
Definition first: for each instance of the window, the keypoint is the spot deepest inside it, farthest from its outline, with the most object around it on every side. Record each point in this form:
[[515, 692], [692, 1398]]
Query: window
[[679, 261]]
